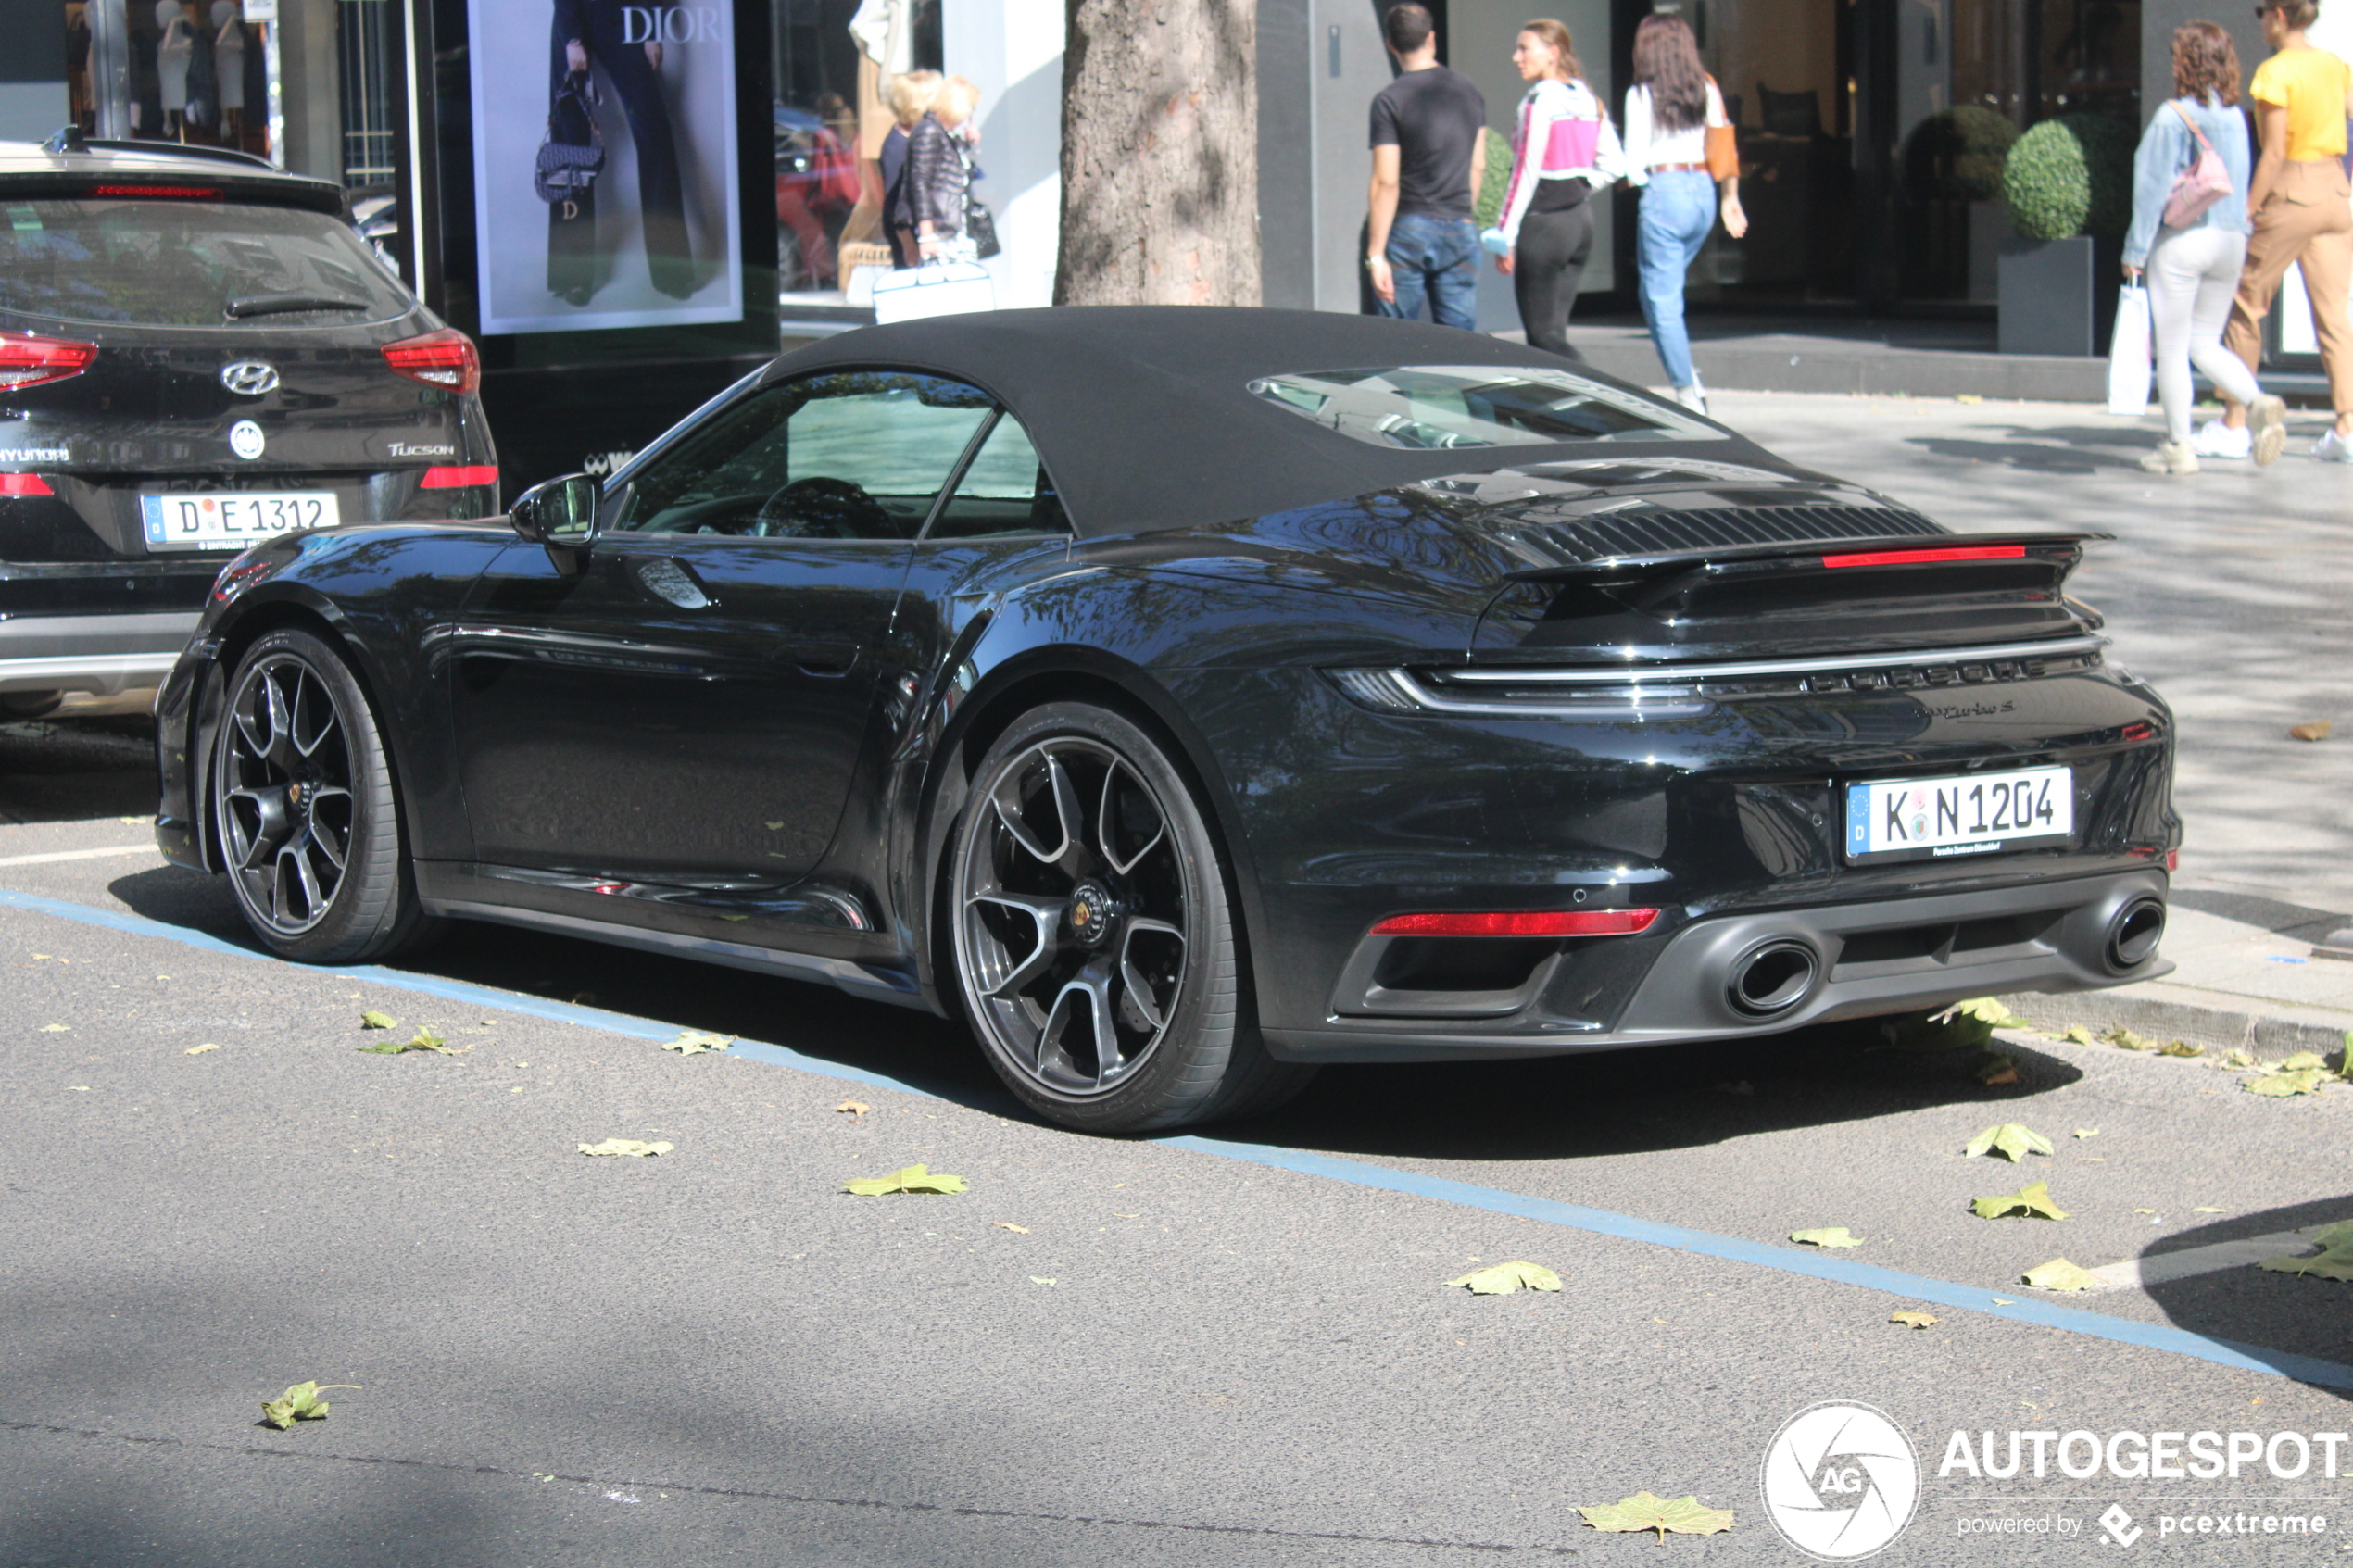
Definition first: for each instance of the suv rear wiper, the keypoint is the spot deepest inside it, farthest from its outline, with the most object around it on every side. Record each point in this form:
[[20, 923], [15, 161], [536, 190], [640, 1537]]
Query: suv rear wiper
[[283, 303]]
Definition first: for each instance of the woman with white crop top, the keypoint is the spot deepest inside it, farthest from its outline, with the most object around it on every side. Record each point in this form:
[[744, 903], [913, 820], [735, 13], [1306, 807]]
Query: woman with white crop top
[[1670, 111], [1564, 150]]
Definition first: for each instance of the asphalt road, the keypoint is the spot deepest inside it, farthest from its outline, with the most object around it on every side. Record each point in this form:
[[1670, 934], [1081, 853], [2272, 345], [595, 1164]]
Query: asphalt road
[[1240, 1349]]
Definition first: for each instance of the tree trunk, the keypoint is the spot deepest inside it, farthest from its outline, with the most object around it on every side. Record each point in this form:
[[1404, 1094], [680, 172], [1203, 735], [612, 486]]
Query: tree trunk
[[1160, 153]]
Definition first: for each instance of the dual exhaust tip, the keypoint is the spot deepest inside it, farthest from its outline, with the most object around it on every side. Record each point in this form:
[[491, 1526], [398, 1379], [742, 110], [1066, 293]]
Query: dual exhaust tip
[[1776, 977]]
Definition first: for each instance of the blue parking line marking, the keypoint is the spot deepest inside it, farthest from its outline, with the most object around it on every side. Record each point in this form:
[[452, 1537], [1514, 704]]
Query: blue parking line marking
[[1356, 1173]]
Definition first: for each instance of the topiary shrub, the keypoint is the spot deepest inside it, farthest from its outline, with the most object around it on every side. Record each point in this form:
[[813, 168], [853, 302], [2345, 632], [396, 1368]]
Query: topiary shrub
[[2071, 175], [1957, 154], [1496, 179]]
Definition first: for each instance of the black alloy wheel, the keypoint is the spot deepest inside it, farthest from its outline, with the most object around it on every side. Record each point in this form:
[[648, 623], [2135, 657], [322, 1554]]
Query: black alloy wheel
[[304, 809], [1094, 939]]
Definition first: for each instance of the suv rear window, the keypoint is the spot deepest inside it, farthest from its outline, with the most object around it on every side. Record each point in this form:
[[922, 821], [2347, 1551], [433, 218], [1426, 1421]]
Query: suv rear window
[[1425, 407], [188, 264]]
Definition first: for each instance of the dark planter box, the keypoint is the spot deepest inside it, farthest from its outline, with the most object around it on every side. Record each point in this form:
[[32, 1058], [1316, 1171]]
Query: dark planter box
[[2058, 297]]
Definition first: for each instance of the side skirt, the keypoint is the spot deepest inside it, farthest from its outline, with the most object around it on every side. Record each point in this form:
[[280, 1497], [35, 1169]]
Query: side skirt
[[868, 982]]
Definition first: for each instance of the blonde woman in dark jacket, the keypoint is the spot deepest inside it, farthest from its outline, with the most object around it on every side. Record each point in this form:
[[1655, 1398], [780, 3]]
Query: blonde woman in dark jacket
[[939, 177]]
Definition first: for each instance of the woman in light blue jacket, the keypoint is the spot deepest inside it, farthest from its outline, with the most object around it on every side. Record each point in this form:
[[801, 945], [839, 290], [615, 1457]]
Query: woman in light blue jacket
[[2193, 271]]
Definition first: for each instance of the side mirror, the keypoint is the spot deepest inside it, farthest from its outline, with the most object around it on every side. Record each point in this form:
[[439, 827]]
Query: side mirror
[[557, 512]]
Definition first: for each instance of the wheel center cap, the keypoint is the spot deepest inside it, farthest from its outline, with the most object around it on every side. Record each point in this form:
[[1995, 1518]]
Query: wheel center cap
[[1091, 912], [293, 794]]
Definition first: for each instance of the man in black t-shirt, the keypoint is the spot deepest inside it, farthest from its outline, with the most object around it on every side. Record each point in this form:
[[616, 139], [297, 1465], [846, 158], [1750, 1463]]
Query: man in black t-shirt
[[1429, 129]]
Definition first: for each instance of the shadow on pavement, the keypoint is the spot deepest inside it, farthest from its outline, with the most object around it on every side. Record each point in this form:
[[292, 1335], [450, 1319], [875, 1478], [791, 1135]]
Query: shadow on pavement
[[76, 769], [2298, 1315], [1574, 1107]]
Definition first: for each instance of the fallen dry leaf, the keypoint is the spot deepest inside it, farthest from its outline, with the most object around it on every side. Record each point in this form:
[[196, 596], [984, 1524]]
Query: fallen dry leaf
[[377, 1021], [2087, 1132], [1009, 1226], [854, 1109], [2078, 1034], [2181, 1047], [1829, 1236], [57, 1029], [1998, 1071], [2124, 1039], [2317, 729], [1912, 1320], [1503, 1279], [1036, 1280], [2060, 1274], [692, 1041], [913, 1178], [301, 1402], [2286, 1082], [423, 1040], [199, 1050], [2033, 1200], [2329, 1263], [1644, 1510], [2012, 1140], [629, 1147]]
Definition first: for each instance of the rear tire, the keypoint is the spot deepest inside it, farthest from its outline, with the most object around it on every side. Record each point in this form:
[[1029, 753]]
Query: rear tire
[[1090, 926], [304, 812]]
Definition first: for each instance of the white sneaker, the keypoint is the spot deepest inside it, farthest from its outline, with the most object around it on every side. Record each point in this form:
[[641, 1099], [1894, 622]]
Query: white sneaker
[[2215, 439], [2334, 448], [2267, 417], [1694, 397]]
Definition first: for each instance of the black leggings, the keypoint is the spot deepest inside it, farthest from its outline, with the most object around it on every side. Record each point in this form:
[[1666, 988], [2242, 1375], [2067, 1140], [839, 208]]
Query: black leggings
[[1546, 269]]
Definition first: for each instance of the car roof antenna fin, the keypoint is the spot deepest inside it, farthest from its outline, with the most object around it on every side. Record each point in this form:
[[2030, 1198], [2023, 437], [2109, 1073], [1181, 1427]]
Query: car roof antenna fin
[[66, 138]]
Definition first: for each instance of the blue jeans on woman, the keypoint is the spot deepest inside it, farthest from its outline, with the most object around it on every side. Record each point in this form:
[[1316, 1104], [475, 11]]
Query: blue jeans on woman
[[1677, 209], [1438, 257]]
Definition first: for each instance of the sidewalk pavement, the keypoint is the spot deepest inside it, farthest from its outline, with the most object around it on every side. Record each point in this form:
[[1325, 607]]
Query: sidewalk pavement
[[2230, 590]]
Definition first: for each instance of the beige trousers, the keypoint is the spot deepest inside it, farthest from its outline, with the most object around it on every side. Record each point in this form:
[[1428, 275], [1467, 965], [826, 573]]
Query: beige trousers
[[2307, 219]]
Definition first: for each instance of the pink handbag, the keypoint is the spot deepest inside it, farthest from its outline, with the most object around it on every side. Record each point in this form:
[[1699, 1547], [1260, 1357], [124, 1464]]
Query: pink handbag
[[2199, 186]]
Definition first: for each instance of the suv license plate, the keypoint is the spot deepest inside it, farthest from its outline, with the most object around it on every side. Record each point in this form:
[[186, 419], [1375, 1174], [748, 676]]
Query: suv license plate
[[230, 520], [1978, 814]]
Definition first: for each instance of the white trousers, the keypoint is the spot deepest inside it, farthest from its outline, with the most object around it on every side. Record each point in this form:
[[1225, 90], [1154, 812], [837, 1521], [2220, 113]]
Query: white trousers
[[2192, 275]]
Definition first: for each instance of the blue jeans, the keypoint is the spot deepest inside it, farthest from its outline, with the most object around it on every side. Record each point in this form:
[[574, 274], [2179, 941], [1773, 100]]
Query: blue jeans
[[1437, 258], [1679, 208]]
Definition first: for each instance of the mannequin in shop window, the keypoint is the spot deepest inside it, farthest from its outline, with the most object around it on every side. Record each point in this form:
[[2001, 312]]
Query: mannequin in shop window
[[175, 52], [229, 70]]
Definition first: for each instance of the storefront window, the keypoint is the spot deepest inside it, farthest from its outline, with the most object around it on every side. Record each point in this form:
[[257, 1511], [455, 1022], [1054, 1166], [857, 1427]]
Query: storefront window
[[315, 91], [833, 57], [1872, 134]]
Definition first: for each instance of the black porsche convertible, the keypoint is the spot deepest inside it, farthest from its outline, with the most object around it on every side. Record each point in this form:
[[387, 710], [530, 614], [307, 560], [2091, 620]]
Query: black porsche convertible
[[1187, 697]]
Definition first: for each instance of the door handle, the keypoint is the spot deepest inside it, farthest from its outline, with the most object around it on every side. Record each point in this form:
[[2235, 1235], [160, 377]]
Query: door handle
[[822, 658]]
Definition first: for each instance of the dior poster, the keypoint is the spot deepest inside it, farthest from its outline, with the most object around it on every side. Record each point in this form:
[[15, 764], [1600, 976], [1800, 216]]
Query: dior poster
[[604, 164]]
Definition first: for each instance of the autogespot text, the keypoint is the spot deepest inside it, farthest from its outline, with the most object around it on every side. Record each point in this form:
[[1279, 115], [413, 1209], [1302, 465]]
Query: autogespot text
[[2143, 1456]]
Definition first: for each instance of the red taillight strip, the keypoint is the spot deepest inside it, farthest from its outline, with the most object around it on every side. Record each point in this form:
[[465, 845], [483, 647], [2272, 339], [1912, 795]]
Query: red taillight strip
[[459, 477], [29, 360], [445, 359], [175, 193], [24, 484], [1908, 558], [1520, 922]]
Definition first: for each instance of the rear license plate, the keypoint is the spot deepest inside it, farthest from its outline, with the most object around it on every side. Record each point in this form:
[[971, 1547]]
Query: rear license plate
[[1979, 814], [230, 520]]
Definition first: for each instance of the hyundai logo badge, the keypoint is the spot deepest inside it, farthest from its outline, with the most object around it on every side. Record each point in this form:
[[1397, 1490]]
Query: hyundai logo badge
[[249, 378]]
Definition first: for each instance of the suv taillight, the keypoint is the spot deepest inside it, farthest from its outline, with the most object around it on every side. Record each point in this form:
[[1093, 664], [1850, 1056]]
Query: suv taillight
[[446, 359], [27, 360]]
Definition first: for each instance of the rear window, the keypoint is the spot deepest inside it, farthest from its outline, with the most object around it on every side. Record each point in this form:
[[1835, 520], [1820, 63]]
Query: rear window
[[188, 264], [1433, 407]]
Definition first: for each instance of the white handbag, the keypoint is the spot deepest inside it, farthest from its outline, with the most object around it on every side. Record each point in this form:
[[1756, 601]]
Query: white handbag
[[944, 288], [2128, 353]]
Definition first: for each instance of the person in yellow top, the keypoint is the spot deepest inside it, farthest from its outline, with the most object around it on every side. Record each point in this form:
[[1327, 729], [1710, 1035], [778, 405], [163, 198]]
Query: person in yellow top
[[2303, 213]]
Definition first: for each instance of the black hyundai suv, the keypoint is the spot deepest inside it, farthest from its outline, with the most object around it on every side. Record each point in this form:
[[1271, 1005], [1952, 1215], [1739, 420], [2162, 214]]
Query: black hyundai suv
[[196, 351]]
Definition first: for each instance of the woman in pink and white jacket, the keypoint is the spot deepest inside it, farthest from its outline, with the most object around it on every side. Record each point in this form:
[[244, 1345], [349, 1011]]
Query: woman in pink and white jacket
[[1565, 149]]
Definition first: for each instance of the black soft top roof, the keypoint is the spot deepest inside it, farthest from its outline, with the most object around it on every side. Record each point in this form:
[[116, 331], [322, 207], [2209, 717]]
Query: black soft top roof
[[1143, 413]]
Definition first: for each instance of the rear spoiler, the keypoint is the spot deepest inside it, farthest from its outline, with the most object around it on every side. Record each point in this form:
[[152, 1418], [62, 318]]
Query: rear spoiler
[[1889, 549]]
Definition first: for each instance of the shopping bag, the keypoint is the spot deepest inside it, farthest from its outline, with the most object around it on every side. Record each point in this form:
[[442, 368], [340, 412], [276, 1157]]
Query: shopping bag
[[943, 288], [2128, 353]]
